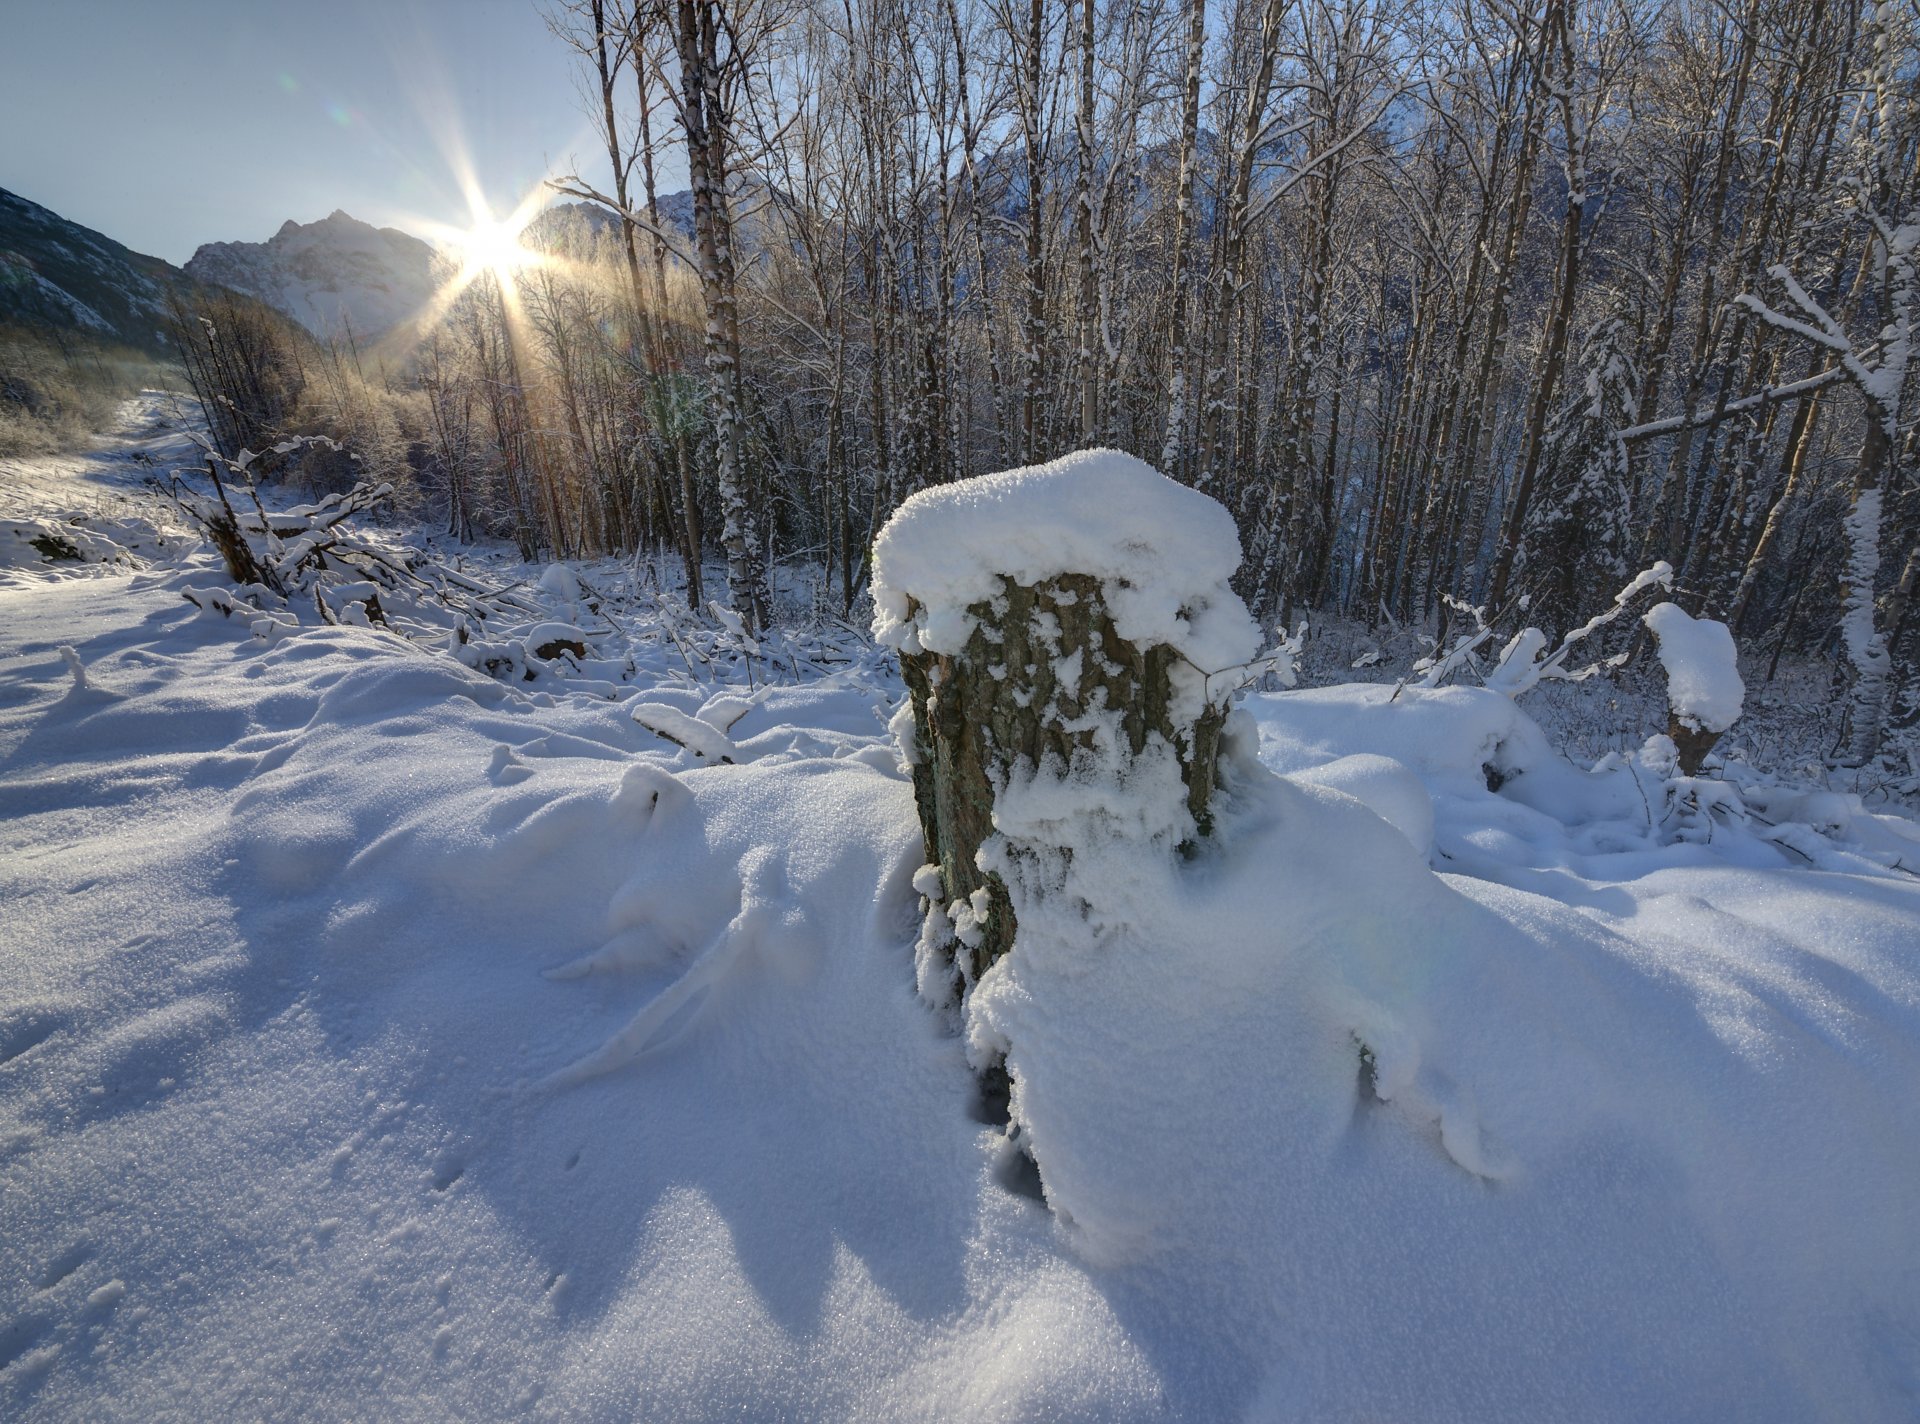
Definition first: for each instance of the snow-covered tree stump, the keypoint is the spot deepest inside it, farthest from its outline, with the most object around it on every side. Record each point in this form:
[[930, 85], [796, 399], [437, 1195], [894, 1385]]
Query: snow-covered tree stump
[[1704, 691], [1069, 641]]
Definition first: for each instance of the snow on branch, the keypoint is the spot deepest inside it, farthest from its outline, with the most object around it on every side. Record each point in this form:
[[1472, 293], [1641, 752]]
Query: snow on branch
[[1524, 662]]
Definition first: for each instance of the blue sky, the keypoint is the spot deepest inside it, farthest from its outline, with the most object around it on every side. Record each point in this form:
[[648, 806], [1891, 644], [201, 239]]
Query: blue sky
[[168, 123]]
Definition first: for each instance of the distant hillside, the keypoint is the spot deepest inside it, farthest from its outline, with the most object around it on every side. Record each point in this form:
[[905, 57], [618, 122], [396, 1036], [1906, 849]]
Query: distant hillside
[[56, 274], [574, 227], [329, 275], [565, 226]]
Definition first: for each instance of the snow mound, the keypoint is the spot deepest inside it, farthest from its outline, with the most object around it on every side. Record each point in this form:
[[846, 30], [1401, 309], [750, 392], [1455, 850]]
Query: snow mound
[[1163, 554], [31, 543], [1385, 787], [1703, 674], [1454, 738]]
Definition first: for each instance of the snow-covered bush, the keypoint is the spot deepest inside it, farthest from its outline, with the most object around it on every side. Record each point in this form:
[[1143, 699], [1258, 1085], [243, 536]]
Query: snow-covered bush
[[310, 561], [27, 542]]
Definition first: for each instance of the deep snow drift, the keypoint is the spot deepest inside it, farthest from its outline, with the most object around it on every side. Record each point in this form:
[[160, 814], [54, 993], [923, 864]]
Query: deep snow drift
[[380, 1037]]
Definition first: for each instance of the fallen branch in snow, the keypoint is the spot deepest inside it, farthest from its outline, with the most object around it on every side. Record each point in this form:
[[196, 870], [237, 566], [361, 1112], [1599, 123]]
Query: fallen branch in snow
[[310, 561], [1524, 662], [1521, 668], [699, 737]]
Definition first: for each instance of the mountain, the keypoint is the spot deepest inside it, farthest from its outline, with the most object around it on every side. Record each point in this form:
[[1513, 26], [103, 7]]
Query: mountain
[[564, 221], [57, 274], [329, 275], [574, 228]]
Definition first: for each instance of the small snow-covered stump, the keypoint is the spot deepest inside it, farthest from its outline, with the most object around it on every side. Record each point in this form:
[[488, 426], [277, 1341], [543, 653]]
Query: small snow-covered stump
[[1062, 631], [1704, 690]]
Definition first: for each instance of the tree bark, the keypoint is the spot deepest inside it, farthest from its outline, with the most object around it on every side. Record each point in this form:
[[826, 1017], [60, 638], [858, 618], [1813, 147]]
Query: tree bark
[[704, 117], [979, 716]]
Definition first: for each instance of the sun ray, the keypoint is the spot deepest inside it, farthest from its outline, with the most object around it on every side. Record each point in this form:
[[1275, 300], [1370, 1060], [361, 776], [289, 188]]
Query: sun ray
[[487, 246]]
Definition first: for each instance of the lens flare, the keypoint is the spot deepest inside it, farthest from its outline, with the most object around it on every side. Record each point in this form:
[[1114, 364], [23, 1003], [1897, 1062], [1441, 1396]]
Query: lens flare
[[490, 246], [487, 247]]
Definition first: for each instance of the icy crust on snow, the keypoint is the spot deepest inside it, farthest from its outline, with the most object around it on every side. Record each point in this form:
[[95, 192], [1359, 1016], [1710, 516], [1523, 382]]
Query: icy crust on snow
[[1703, 675], [1163, 554]]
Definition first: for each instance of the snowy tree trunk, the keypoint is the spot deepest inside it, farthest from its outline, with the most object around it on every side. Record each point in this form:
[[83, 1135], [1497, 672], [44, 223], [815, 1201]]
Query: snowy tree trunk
[[1227, 292], [1033, 330], [1083, 226], [1881, 378], [704, 117], [1865, 642], [1883, 386], [1799, 443], [1559, 67], [1173, 450]]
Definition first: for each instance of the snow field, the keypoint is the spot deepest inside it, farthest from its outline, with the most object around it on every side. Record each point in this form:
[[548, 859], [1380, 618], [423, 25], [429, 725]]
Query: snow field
[[384, 1039]]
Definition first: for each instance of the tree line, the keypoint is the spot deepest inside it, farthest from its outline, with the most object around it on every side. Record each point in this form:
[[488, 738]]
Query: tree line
[[1453, 303]]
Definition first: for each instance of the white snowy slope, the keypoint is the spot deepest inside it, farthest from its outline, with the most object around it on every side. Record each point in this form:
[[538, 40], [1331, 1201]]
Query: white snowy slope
[[330, 276], [379, 1039]]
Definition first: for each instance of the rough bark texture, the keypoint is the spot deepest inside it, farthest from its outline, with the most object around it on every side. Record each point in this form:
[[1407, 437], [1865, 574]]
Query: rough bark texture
[[1693, 743], [999, 704]]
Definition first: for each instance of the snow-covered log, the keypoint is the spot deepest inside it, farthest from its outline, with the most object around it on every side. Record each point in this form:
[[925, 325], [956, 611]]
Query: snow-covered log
[[1069, 642]]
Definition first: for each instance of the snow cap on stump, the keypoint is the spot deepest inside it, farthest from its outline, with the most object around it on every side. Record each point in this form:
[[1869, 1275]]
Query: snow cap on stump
[[1163, 554], [1704, 689]]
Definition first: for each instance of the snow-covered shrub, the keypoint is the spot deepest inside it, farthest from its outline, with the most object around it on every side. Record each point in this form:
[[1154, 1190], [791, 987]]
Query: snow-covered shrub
[[27, 542], [311, 562]]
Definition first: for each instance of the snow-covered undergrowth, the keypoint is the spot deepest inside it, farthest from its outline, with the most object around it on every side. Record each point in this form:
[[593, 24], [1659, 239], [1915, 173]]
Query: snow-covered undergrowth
[[381, 1036]]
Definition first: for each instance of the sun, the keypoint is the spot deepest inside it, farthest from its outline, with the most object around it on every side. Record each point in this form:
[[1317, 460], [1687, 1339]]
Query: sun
[[487, 246], [492, 246]]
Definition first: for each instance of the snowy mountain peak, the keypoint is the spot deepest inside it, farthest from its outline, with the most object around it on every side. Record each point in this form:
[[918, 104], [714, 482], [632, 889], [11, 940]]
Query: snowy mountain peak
[[333, 276]]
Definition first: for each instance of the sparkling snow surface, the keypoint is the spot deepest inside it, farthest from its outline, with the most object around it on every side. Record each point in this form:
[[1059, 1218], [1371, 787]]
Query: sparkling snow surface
[[382, 1040]]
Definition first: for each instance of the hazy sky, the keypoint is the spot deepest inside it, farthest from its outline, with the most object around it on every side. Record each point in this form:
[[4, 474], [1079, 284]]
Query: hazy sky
[[168, 123]]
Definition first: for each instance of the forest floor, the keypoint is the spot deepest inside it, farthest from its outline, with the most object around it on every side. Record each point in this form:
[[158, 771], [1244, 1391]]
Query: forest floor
[[382, 1036]]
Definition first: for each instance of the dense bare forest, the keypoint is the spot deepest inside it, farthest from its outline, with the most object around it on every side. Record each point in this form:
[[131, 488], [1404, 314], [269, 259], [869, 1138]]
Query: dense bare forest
[[1451, 304]]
